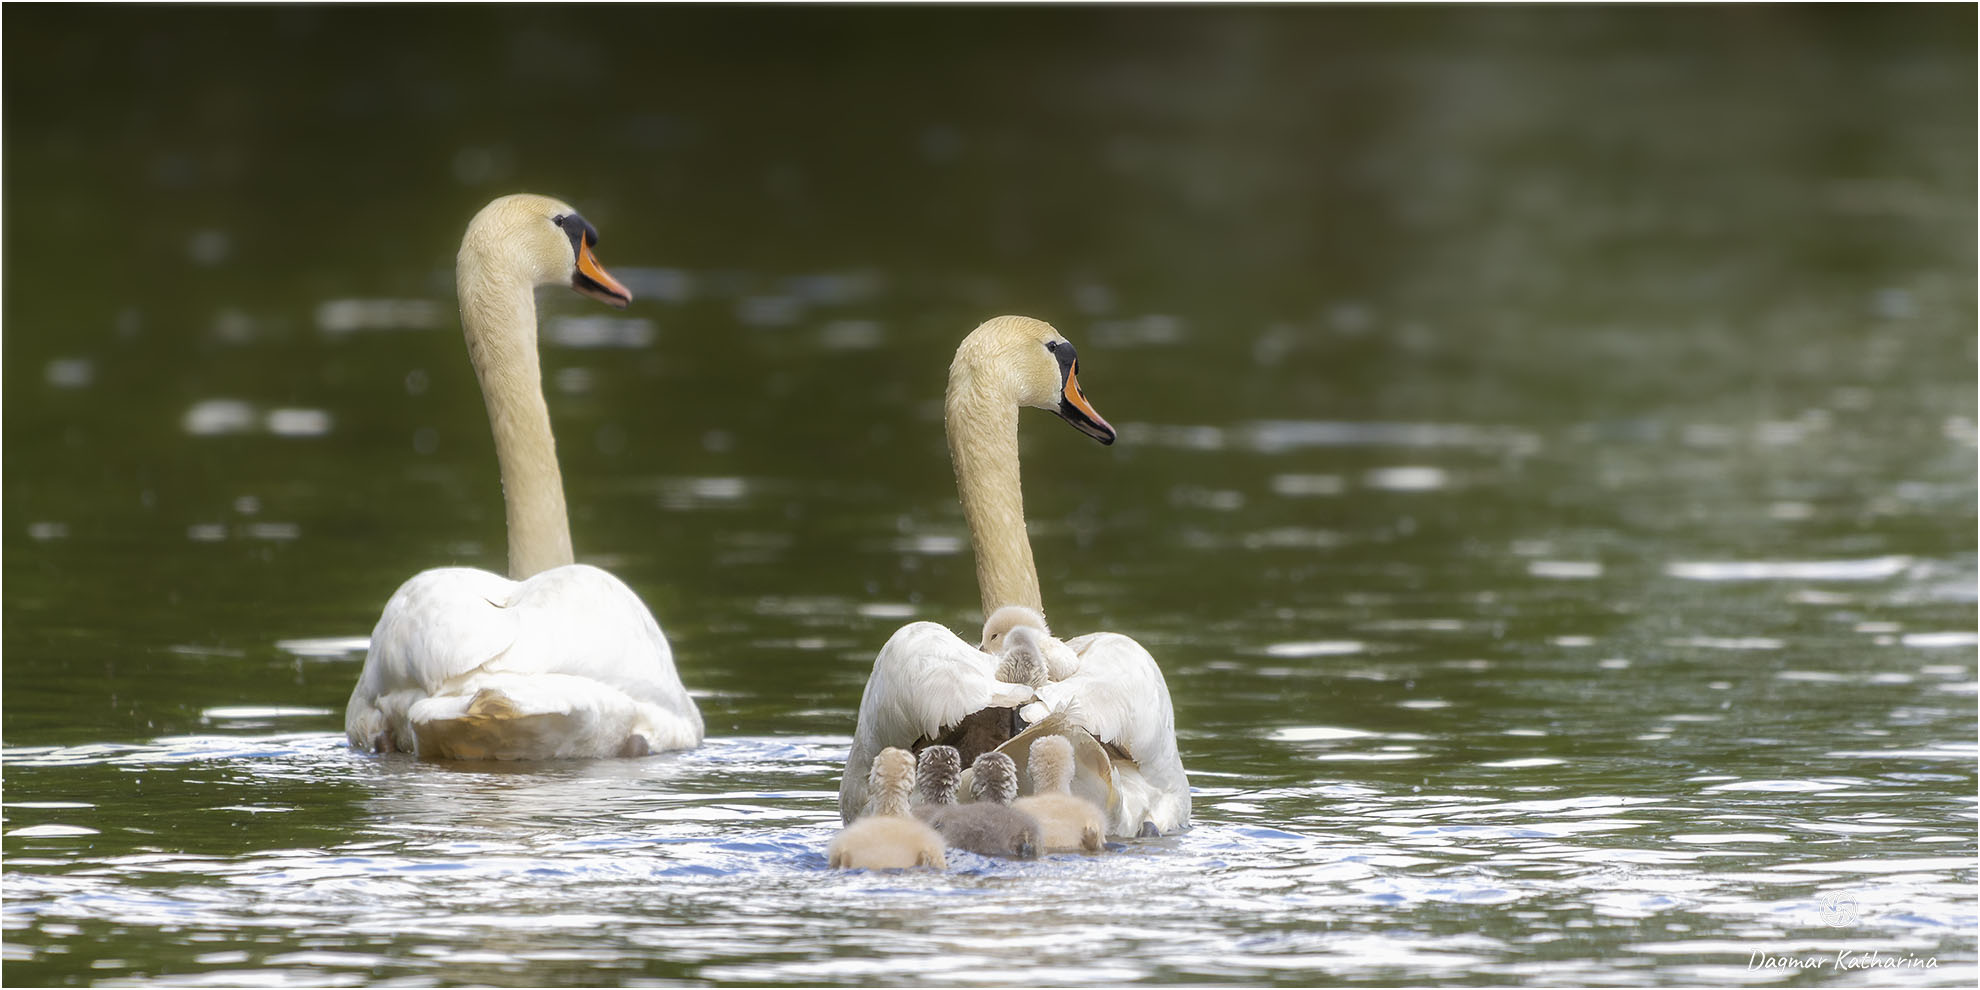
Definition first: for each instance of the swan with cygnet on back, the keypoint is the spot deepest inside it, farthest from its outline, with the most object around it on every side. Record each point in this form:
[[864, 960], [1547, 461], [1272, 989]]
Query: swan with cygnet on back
[[1102, 692]]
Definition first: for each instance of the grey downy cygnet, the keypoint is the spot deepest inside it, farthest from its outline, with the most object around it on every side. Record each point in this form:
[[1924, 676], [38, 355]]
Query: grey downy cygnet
[[989, 825], [937, 770]]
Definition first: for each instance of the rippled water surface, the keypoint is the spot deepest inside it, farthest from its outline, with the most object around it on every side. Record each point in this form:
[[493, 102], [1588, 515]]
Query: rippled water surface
[[1546, 478]]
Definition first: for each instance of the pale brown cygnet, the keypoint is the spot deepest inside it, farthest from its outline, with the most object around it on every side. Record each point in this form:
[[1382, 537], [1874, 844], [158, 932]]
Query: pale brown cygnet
[[1070, 823], [1059, 659], [1005, 619], [989, 825], [887, 838]]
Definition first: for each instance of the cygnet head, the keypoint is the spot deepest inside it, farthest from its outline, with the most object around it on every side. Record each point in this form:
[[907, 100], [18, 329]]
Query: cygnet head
[[538, 241], [1005, 619], [1025, 362], [890, 780], [1051, 765], [1024, 659], [937, 770], [994, 778]]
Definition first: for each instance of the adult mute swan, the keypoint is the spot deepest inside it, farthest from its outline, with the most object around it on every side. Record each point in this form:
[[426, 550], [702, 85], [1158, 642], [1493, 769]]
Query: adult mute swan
[[563, 661], [1102, 691]]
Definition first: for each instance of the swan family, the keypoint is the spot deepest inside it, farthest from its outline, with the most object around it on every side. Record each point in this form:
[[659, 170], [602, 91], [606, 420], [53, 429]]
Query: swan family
[[1066, 742]]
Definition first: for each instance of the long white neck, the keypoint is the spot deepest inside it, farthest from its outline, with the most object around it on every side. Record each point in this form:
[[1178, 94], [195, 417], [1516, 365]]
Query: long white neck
[[983, 445], [498, 314]]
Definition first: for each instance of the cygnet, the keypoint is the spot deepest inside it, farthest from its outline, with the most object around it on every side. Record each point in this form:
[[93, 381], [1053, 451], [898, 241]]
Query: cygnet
[[1070, 823], [1060, 660], [989, 825], [936, 772]]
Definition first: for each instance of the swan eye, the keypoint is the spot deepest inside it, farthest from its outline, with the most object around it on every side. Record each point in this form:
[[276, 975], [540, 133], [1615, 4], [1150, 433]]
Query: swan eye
[[1051, 345], [579, 230]]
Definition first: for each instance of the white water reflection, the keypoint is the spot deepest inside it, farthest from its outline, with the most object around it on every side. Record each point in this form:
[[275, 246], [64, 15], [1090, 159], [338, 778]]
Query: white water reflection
[[70, 372], [212, 417], [1869, 569], [220, 417], [1303, 485], [1572, 570], [1940, 640], [851, 335], [343, 316], [1316, 648], [601, 332], [701, 493], [297, 422], [1418, 478], [1280, 436]]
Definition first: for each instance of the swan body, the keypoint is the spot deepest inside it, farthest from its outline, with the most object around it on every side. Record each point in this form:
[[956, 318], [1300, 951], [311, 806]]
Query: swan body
[[1068, 823], [1102, 692], [469, 665], [888, 838], [558, 660], [987, 825]]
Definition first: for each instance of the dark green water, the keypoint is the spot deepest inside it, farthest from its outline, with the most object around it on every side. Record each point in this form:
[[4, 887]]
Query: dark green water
[[1547, 479]]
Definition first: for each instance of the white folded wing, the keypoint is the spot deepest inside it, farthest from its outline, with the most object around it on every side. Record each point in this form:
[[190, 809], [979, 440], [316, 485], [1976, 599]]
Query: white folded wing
[[1119, 695]]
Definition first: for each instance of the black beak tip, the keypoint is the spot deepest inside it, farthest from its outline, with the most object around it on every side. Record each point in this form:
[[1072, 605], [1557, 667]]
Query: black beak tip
[[586, 287], [1085, 424]]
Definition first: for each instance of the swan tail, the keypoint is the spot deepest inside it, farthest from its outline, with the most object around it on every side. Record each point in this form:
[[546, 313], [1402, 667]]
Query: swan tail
[[1143, 808], [549, 717]]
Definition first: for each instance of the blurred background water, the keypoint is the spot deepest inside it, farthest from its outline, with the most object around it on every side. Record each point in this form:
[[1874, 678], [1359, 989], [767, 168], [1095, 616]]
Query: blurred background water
[[1547, 478]]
